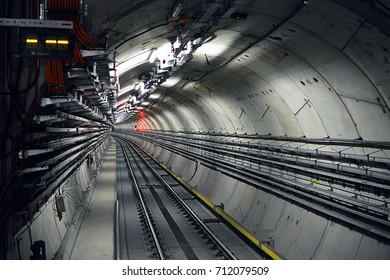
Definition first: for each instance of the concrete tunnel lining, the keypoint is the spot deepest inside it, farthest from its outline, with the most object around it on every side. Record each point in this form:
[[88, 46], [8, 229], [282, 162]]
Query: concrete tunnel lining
[[304, 77], [324, 73]]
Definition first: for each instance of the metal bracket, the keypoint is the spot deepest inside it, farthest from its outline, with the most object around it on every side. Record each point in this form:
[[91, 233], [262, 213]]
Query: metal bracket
[[43, 118], [88, 53], [36, 23], [33, 152], [34, 169]]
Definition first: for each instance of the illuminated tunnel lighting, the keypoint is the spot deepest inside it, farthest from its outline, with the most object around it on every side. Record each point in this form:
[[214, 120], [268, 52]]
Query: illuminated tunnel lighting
[[63, 42], [32, 41], [49, 41]]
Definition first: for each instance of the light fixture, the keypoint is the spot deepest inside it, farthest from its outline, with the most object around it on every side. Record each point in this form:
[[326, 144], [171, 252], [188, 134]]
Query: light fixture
[[134, 61], [51, 41], [125, 90], [155, 96], [176, 9], [32, 41], [63, 42], [46, 45]]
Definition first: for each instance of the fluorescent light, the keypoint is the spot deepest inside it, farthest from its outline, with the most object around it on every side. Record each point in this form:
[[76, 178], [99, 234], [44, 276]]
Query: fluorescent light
[[121, 103], [176, 10], [170, 82], [155, 96], [63, 42], [125, 89], [50, 41], [31, 41], [133, 61]]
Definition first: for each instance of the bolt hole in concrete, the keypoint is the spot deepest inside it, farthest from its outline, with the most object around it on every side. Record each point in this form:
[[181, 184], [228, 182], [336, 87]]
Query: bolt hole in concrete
[[315, 80], [303, 83]]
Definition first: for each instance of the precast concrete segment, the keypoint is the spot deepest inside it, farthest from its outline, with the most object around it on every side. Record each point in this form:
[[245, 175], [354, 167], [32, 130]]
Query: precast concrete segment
[[95, 240]]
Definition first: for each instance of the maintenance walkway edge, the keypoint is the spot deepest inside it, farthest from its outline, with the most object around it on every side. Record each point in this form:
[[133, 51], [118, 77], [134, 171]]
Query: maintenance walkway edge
[[95, 239]]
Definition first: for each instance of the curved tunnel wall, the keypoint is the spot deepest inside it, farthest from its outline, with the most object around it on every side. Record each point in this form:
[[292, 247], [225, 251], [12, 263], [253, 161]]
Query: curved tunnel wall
[[50, 224], [325, 73]]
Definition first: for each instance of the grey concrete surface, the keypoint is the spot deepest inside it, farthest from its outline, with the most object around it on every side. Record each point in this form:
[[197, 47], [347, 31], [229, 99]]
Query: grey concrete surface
[[95, 240]]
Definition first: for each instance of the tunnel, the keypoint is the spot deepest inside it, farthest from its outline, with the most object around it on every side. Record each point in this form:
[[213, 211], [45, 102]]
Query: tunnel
[[273, 114]]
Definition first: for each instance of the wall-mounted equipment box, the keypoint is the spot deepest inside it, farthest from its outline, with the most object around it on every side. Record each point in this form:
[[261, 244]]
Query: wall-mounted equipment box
[[51, 45]]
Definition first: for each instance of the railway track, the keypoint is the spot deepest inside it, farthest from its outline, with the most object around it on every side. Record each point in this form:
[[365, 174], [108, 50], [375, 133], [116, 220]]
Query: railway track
[[344, 192], [157, 219]]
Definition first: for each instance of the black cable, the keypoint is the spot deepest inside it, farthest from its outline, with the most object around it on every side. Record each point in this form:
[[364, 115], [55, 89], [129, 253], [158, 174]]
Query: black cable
[[139, 34], [16, 108]]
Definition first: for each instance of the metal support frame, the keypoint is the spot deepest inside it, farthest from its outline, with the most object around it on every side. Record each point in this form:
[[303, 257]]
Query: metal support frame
[[36, 23], [33, 152], [34, 169]]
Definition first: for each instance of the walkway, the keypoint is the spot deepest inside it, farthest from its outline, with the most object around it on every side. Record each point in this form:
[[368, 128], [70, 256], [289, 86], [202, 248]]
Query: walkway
[[95, 240]]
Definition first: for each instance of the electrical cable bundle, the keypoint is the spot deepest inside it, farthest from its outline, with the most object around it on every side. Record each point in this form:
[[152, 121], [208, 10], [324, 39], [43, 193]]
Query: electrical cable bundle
[[55, 77], [65, 10]]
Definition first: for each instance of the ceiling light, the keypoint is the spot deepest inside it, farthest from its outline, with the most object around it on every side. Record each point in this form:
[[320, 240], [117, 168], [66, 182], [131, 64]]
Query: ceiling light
[[171, 81], [176, 10], [134, 61], [125, 89], [155, 96]]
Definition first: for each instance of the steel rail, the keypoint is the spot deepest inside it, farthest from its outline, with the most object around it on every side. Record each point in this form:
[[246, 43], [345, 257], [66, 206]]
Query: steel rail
[[160, 253], [301, 165], [300, 168], [366, 160], [290, 190], [116, 232], [219, 243], [305, 140]]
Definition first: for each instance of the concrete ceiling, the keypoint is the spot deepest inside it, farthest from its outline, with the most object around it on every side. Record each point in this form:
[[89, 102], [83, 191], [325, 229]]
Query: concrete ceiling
[[323, 72]]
